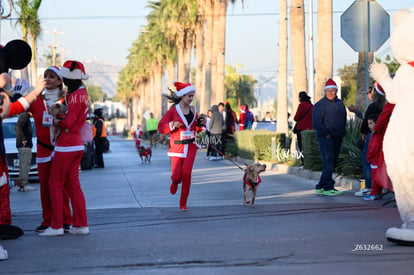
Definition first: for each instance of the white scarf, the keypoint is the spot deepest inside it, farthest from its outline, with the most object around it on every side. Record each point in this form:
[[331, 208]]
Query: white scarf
[[51, 96]]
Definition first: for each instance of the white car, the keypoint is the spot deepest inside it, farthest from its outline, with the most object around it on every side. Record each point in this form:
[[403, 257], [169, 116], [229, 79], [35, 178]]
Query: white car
[[9, 134]]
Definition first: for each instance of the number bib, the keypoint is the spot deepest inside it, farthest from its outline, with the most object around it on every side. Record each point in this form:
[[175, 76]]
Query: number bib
[[47, 120], [186, 135]]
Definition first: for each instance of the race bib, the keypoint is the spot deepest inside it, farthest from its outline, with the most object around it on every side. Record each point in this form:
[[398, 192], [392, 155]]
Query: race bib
[[47, 120], [187, 135]]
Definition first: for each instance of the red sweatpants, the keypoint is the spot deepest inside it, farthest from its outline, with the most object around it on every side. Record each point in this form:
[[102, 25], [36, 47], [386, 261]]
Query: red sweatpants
[[44, 172], [376, 187], [5, 212], [64, 174], [181, 172]]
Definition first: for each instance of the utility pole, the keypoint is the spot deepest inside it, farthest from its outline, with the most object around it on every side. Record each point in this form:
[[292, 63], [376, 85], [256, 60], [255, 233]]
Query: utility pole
[[54, 44]]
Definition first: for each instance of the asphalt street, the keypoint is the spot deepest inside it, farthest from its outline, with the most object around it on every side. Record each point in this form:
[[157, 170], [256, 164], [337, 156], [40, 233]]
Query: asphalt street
[[137, 228]]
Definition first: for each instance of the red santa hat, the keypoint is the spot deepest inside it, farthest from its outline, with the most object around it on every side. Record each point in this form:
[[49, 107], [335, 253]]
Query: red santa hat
[[73, 70], [56, 70], [330, 84], [243, 108], [183, 88], [379, 89]]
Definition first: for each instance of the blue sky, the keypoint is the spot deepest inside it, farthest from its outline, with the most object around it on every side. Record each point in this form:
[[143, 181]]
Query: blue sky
[[105, 30]]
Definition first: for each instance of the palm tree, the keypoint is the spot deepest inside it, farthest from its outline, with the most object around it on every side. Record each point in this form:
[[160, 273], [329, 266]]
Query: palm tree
[[282, 123], [297, 36], [361, 92], [324, 47], [30, 23]]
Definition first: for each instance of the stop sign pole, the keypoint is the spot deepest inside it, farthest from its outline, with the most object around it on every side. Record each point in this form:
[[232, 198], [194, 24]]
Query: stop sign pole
[[365, 26]]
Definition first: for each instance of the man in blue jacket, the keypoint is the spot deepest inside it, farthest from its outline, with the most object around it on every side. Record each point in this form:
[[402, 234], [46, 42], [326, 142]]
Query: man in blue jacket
[[329, 120]]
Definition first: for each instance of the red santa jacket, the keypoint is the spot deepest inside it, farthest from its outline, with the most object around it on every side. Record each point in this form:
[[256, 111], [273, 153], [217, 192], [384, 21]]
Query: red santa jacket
[[70, 139], [15, 108], [44, 144], [187, 132], [376, 140], [305, 112]]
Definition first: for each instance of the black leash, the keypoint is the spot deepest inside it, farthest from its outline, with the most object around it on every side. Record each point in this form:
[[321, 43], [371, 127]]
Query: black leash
[[226, 157]]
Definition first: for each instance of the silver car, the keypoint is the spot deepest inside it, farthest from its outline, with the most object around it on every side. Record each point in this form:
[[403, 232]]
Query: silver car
[[9, 134]]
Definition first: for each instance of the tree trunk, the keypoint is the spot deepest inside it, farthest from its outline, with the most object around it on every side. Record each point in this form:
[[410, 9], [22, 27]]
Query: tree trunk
[[208, 46], [134, 119], [361, 96], [324, 47], [282, 123], [297, 36], [187, 57], [170, 73], [157, 92], [33, 63], [220, 40], [180, 58], [198, 52]]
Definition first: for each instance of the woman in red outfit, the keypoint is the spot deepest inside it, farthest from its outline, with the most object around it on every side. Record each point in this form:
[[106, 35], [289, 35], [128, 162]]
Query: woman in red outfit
[[7, 231], [303, 116], [375, 154], [52, 93], [180, 122], [68, 154]]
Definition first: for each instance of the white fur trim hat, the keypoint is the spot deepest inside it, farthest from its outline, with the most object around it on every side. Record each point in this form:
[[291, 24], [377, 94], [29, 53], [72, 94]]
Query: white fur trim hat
[[330, 84], [379, 89], [183, 88], [56, 70], [73, 70]]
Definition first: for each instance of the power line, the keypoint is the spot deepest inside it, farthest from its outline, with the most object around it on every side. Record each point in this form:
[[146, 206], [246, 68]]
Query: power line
[[134, 17]]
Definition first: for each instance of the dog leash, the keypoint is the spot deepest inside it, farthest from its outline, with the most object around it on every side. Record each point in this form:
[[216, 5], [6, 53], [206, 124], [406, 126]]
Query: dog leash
[[238, 166]]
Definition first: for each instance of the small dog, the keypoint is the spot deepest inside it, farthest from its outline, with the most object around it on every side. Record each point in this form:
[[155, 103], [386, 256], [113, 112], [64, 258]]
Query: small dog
[[145, 154], [58, 111], [251, 180]]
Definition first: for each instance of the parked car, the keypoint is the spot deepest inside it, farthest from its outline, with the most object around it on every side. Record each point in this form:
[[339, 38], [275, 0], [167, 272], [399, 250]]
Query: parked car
[[9, 134]]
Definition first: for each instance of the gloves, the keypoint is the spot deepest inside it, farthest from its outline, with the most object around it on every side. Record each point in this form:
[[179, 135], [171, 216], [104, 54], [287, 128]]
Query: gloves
[[20, 87]]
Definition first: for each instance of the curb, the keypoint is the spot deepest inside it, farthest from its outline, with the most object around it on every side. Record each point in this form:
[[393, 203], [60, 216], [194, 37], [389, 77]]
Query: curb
[[345, 183]]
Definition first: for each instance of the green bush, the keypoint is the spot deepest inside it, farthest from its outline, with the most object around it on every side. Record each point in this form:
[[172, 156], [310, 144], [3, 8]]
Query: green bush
[[258, 144], [349, 161], [312, 158]]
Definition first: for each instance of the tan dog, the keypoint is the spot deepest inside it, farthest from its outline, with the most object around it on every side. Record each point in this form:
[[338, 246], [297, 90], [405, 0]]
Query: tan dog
[[251, 180], [58, 111]]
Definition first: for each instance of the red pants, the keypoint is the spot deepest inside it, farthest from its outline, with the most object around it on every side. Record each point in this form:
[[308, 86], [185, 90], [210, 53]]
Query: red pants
[[44, 172], [64, 174], [181, 172], [376, 187], [5, 213]]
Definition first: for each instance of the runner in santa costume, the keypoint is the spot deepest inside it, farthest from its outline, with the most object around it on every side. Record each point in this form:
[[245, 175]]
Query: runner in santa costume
[[180, 122], [15, 55], [242, 118], [53, 93], [138, 136], [68, 154]]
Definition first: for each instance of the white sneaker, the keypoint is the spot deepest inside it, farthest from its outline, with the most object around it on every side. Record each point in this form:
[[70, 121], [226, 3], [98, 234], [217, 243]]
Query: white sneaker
[[3, 254], [79, 230], [50, 232], [363, 192], [29, 188]]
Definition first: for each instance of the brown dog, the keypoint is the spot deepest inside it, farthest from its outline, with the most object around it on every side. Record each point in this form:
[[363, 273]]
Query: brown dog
[[251, 180], [145, 154], [58, 111]]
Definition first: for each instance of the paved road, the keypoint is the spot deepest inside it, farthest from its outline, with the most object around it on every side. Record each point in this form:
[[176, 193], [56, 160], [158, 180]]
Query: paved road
[[137, 228]]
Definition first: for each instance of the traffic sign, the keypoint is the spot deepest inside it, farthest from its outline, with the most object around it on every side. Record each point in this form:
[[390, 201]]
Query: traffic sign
[[365, 26]]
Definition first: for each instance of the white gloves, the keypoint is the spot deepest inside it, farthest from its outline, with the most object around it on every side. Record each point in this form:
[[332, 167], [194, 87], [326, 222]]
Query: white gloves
[[21, 86]]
